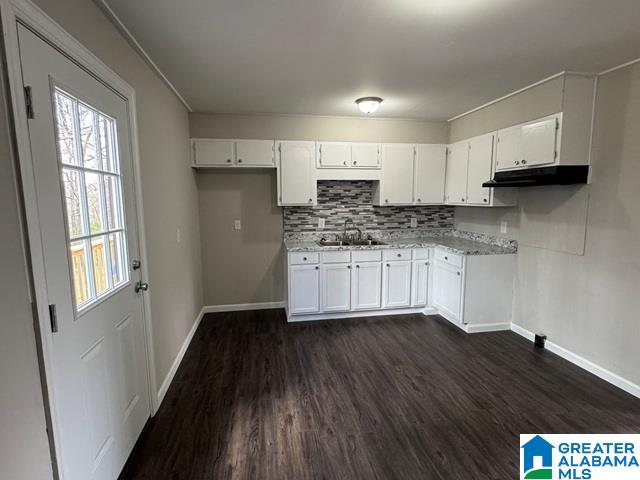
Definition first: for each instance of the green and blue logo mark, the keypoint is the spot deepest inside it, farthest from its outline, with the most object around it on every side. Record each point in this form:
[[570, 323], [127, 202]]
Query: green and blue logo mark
[[537, 459]]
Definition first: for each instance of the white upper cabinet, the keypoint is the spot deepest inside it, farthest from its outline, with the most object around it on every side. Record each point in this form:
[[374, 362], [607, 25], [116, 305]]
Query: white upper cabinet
[[479, 169], [457, 171], [429, 174], [255, 153], [296, 173], [334, 155], [540, 141], [233, 153], [348, 155], [509, 148], [396, 185], [210, 152], [365, 155]]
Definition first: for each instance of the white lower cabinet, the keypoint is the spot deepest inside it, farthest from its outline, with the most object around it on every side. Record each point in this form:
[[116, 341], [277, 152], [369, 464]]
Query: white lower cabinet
[[366, 281], [420, 283], [304, 289], [396, 284], [447, 294], [336, 279]]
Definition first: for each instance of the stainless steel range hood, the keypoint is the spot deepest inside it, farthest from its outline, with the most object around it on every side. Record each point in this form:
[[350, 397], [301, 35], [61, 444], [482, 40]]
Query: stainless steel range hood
[[532, 177]]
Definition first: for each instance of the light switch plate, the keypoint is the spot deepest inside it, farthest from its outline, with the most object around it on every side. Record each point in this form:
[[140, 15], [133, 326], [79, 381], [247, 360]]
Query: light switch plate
[[237, 225], [320, 222], [414, 222], [503, 227]]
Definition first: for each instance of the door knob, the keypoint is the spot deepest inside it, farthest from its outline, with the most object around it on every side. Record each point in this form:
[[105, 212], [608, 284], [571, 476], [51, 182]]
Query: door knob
[[141, 286], [135, 264]]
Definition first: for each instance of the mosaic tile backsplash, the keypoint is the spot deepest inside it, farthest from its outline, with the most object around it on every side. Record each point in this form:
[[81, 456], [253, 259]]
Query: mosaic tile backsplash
[[339, 200]]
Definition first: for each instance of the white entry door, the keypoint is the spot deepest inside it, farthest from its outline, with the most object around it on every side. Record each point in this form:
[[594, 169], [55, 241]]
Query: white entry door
[[82, 160]]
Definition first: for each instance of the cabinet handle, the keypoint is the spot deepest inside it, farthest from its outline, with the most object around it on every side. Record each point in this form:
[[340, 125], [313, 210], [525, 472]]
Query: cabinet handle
[[344, 163], [386, 200], [304, 259], [426, 263], [349, 267], [239, 160], [388, 265], [517, 162], [458, 273], [462, 199], [446, 258], [228, 160], [355, 163], [317, 267], [419, 200], [310, 200], [524, 162], [357, 266], [399, 255], [484, 200]]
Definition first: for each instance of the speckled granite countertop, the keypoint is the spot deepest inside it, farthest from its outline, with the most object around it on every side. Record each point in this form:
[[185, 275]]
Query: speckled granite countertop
[[458, 245]]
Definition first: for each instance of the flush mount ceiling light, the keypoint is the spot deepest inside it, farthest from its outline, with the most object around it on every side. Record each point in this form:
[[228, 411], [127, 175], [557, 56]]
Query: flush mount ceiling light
[[368, 104]]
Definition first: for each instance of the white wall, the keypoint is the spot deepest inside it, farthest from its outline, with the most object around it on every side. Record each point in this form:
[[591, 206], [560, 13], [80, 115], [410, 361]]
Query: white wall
[[578, 260]]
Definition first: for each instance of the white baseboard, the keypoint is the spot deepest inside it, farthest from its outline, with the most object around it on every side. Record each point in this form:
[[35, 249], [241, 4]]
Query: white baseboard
[[360, 314], [487, 327], [236, 307], [583, 363], [162, 391]]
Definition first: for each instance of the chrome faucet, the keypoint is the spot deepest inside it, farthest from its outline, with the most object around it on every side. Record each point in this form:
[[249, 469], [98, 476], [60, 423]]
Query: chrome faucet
[[348, 221]]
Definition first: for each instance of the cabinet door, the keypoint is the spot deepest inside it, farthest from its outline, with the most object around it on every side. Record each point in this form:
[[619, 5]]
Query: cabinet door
[[365, 155], [457, 170], [429, 172], [366, 285], [213, 152], [334, 155], [480, 159], [296, 173], [509, 148], [304, 289], [447, 295], [420, 283], [255, 153], [397, 174], [336, 287], [539, 142], [396, 285]]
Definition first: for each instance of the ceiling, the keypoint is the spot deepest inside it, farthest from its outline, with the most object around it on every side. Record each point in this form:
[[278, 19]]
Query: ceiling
[[428, 59]]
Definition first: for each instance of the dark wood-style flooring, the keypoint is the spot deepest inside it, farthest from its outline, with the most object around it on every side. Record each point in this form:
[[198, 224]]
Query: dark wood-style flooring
[[402, 397]]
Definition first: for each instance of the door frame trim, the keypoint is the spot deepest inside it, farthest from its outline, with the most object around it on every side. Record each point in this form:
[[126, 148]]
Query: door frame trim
[[27, 13]]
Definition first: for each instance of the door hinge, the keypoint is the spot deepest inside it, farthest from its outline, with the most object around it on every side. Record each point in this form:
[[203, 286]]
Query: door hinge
[[280, 147], [53, 318], [28, 100]]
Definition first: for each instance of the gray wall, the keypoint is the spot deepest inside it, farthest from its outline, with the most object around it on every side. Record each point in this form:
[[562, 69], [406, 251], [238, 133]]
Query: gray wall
[[247, 266], [578, 262], [24, 448], [170, 201]]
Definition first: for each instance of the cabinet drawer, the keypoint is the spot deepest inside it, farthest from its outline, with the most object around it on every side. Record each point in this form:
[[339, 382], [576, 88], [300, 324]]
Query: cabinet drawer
[[366, 255], [336, 257], [421, 253], [397, 254], [452, 259], [301, 258]]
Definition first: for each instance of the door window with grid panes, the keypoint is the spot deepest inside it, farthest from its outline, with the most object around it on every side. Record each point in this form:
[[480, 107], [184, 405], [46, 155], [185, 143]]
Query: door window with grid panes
[[92, 189]]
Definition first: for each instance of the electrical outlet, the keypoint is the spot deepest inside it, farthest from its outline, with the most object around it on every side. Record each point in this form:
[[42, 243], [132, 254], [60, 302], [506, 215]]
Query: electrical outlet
[[503, 227], [237, 225], [320, 223], [414, 222]]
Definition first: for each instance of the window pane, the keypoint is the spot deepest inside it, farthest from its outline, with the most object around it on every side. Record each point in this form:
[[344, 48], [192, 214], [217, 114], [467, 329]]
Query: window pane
[[73, 201], [88, 137], [118, 261], [94, 201], [79, 269], [112, 195], [107, 147], [65, 129], [98, 249]]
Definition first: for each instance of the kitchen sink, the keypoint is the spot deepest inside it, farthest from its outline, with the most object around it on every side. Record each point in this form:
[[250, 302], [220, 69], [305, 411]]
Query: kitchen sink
[[366, 242], [332, 243]]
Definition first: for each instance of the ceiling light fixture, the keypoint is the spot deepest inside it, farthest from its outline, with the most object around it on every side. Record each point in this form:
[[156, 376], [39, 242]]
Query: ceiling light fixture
[[368, 105]]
